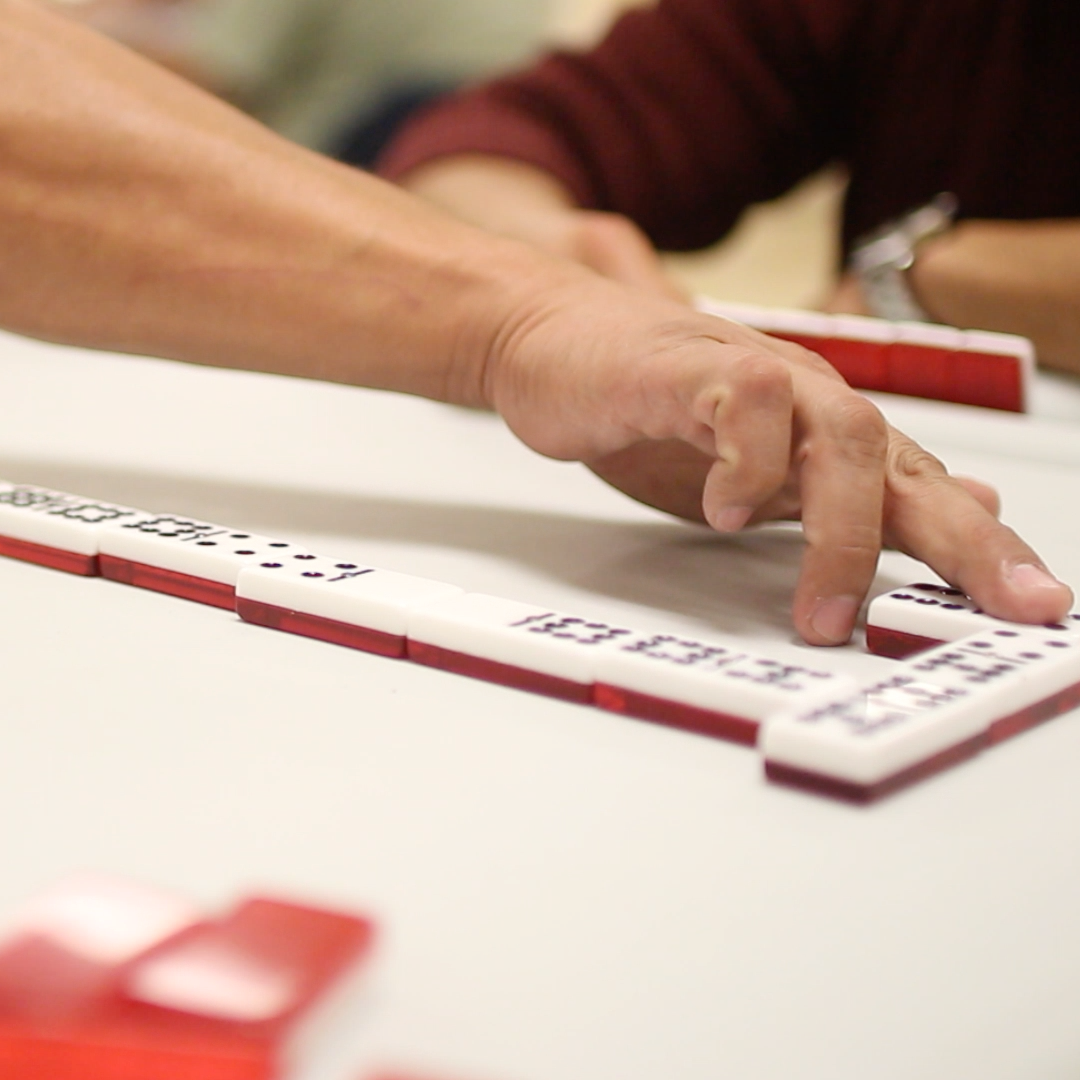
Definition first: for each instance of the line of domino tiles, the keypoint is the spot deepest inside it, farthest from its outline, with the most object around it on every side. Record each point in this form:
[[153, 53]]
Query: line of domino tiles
[[822, 730], [967, 367]]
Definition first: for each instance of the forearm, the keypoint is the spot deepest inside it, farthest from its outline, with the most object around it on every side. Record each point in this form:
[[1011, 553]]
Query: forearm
[[139, 215], [1020, 277]]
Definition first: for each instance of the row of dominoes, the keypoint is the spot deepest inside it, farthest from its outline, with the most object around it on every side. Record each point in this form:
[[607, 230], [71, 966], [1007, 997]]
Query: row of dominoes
[[968, 367], [102, 979], [813, 734]]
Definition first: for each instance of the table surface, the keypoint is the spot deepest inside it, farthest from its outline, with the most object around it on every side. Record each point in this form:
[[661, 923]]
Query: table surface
[[564, 894]]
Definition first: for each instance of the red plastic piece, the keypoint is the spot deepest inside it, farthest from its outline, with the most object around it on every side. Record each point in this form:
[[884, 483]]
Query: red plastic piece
[[676, 714], [989, 380], [896, 644], [866, 793], [314, 626], [54, 558], [921, 371], [201, 590], [65, 1018], [863, 364], [476, 667]]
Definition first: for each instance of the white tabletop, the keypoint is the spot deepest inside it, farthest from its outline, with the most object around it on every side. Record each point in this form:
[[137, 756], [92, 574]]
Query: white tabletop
[[564, 894]]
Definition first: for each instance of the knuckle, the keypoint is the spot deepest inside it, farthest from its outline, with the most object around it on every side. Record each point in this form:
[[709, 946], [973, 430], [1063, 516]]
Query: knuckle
[[758, 375], [857, 426], [908, 461]]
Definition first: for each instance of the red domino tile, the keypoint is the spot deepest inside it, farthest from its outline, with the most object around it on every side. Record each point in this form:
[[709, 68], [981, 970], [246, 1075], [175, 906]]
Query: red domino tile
[[863, 364], [896, 644], [675, 714], [54, 558], [988, 379], [920, 370], [63, 1018], [1021, 721], [185, 586], [867, 793], [476, 667], [314, 626]]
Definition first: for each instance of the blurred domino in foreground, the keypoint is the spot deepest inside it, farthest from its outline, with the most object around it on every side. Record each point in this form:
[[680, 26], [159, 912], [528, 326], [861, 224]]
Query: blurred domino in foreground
[[102, 979], [191, 559], [335, 600], [937, 709], [968, 367], [55, 529], [906, 621]]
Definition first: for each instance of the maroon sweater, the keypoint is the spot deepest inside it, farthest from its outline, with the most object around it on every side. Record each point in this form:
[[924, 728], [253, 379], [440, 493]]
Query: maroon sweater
[[691, 110]]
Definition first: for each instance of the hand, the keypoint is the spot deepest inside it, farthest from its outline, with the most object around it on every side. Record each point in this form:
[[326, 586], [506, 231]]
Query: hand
[[524, 203], [709, 420]]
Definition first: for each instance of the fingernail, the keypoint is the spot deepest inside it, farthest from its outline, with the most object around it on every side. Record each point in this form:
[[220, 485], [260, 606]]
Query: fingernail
[[731, 518], [833, 619], [1029, 576]]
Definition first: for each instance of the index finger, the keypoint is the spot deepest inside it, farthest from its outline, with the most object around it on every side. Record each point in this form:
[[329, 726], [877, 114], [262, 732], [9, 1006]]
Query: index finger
[[842, 456], [935, 518]]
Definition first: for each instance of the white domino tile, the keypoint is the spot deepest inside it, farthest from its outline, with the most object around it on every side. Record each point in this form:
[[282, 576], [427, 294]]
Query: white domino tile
[[931, 334], [510, 633], [863, 328], [926, 614], [195, 549], [57, 520], [340, 590], [710, 676], [944, 702]]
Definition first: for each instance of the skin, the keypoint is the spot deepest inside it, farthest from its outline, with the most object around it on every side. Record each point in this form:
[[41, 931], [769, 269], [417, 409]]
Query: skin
[[139, 214]]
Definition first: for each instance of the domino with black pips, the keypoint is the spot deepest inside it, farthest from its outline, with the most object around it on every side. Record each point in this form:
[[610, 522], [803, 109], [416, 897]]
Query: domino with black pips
[[707, 687], [191, 559], [515, 644], [55, 529], [906, 621], [335, 600], [939, 708]]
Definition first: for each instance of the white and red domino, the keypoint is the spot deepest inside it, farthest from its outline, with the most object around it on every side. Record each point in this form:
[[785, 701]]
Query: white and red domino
[[917, 617], [705, 687], [938, 709], [335, 600], [102, 978], [968, 367], [195, 560], [55, 529]]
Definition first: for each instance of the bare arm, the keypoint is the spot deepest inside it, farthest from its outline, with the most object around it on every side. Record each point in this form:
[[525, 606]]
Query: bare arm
[[139, 214]]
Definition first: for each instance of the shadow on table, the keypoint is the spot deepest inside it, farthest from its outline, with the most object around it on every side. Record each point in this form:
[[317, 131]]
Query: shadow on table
[[733, 584]]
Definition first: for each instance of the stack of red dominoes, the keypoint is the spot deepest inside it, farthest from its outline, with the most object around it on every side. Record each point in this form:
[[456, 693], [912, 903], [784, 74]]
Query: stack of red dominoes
[[968, 367]]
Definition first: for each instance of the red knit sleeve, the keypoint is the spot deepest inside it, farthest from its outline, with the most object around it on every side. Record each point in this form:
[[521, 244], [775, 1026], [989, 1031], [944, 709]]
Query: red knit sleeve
[[685, 114]]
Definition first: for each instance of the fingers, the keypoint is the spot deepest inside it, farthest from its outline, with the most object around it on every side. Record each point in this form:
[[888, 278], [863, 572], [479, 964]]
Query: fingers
[[751, 424], [842, 478], [947, 525]]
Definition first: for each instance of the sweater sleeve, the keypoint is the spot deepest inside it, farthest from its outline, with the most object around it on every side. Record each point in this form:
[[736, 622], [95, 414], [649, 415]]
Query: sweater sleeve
[[686, 113]]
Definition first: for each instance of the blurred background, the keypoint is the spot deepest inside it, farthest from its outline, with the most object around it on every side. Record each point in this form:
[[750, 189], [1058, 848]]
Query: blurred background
[[341, 75]]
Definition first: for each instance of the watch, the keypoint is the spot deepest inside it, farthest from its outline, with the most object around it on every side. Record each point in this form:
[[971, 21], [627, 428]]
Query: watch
[[880, 259]]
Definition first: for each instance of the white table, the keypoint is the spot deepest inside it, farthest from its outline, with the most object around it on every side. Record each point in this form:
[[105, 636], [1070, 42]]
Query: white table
[[565, 894]]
